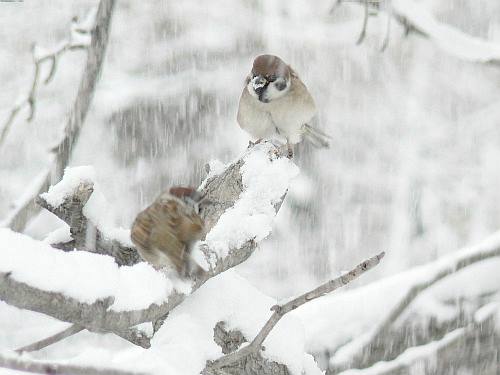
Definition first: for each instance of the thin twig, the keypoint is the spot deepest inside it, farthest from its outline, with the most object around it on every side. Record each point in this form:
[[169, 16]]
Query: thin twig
[[25, 365], [335, 6], [362, 34], [281, 310], [29, 101], [388, 9], [38, 345], [18, 219], [416, 19]]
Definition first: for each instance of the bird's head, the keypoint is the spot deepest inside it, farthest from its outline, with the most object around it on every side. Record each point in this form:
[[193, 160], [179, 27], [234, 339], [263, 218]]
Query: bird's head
[[190, 196], [269, 79]]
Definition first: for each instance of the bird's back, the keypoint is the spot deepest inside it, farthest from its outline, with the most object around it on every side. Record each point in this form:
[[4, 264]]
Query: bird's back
[[164, 231]]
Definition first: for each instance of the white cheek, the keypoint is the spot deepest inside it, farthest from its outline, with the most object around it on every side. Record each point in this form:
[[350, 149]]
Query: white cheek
[[251, 91], [273, 93]]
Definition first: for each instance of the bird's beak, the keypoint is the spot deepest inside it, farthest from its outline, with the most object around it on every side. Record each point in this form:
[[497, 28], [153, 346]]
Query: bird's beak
[[258, 83]]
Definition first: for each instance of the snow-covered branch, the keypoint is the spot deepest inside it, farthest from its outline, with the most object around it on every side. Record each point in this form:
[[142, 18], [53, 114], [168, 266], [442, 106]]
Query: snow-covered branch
[[91, 291], [26, 208], [414, 17], [68, 201], [418, 355], [357, 351], [280, 310]]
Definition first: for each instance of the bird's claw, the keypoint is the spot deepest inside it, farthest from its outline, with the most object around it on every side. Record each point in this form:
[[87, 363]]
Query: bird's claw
[[251, 144]]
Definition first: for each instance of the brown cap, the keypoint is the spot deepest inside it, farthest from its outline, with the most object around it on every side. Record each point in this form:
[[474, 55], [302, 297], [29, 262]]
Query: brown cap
[[268, 65]]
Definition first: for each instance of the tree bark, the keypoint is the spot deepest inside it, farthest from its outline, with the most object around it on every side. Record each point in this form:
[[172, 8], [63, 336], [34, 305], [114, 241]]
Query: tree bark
[[18, 219]]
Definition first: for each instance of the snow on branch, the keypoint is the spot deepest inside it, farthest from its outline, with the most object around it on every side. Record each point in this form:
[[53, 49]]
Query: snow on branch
[[26, 207], [280, 310], [68, 201], [91, 291], [436, 349], [448, 38], [414, 17], [357, 351]]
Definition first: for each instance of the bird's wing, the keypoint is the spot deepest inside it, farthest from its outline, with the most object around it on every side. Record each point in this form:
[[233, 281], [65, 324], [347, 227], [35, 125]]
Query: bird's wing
[[156, 234], [166, 232], [141, 230]]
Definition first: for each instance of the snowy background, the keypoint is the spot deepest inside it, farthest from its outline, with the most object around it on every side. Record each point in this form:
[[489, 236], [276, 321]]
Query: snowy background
[[413, 167]]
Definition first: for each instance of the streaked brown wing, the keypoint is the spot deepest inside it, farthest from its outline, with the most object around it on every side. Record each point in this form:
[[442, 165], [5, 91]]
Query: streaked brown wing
[[141, 230], [165, 232], [156, 229]]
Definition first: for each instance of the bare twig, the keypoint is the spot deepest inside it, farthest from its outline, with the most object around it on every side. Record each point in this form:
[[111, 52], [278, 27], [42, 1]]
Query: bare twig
[[72, 43], [37, 367], [414, 18], [334, 6], [95, 58], [362, 345], [38, 345], [366, 14], [388, 9], [281, 310]]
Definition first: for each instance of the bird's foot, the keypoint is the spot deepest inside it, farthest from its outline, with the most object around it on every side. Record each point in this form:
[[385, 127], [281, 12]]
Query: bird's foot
[[289, 151], [251, 144]]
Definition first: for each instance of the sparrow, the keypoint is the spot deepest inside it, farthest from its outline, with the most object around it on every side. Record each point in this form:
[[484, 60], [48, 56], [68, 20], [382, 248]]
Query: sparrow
[[276, 101], [164, 233]]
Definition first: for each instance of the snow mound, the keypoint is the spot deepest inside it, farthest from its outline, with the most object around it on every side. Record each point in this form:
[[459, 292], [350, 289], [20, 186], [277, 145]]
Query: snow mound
[[84, 276], [185, 341], [73, 176], [265, 179]]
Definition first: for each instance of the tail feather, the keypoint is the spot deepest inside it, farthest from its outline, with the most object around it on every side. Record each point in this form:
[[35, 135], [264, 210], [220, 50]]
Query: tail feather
[[316, 137]]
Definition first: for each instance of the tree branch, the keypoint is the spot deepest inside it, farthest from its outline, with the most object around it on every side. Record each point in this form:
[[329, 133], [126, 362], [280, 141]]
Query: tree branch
[[38, 345], [435, 349], [77, 40], [281, 310], [355, 351], [95, 317], [25, 365], [415, 18], [366, 14], [223, 190], [20, 215], [71, 212]]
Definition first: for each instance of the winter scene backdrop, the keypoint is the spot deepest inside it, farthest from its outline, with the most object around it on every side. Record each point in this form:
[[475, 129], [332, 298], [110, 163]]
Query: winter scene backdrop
[[107, 103]]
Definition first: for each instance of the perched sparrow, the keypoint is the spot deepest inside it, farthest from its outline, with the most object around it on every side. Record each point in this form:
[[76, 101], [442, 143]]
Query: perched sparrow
[[276, 101], [165, 232]]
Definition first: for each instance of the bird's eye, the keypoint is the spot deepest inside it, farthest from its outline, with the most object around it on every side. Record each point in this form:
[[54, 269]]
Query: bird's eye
[[280, 84]]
